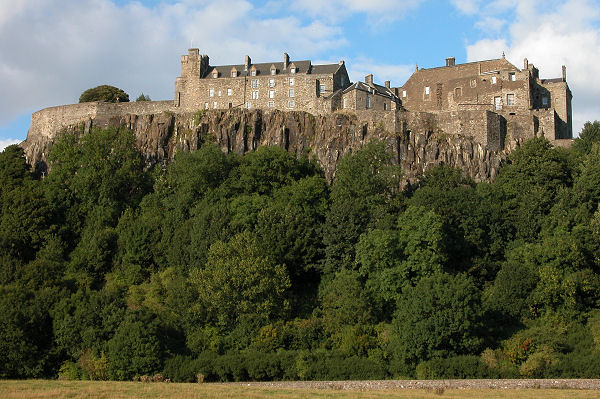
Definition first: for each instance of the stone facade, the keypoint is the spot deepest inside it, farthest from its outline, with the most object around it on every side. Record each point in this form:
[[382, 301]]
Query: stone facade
[[531, 106], [287, 85]]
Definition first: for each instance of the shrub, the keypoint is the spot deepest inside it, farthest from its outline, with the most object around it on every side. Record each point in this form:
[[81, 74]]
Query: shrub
[[453, 367]]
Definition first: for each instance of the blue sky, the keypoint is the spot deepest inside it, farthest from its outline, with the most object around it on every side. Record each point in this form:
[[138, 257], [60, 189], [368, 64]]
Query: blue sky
[[52, 50]]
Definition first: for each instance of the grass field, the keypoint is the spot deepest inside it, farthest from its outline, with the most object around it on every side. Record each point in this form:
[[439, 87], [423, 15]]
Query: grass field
[[44, 389]]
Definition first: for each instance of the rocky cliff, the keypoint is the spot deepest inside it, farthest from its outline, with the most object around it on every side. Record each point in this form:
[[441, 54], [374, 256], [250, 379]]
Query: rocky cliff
[[418, 141]]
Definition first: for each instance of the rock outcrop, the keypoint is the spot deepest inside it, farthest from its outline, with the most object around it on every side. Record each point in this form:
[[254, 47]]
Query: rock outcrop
[[418, 141]]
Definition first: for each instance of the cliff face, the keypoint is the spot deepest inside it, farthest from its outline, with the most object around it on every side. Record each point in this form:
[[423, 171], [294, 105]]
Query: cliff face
[[417, 141]]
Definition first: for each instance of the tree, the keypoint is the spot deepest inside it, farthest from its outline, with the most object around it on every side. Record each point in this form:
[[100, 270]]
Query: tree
[[135, 349], [142, 97], [240, 281], [589, 135], [441, 316], [104, 93]]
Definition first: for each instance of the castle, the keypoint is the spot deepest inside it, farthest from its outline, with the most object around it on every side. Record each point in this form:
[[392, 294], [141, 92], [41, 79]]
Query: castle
[[522, 103], [466, 115]]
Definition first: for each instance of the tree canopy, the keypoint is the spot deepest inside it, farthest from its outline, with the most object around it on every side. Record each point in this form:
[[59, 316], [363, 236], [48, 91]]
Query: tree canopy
[[104, 93]]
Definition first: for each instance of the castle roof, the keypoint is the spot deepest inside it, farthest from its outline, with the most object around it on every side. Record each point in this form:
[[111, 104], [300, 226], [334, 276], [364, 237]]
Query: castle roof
[[374, 89], [464, 70], [304, 66]]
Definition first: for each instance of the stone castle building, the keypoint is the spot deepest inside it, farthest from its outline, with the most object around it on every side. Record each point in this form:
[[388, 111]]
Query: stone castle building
[[514, 101]]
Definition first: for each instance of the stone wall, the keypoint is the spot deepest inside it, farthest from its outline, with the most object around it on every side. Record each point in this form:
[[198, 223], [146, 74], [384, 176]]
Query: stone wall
[[418, 140]]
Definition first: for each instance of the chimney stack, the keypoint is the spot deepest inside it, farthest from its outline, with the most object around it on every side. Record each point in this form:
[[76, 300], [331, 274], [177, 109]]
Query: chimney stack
[[525, 63], [564, 70], [341, 62], [387, 84], [369, 79], [286, 61], [450, 61], [247, 63]]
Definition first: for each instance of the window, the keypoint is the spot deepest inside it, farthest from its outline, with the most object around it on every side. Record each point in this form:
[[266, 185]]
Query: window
[[403, 93], [291, 104], [254, 83], [512, 77], [457, 92], [253, 72], [493, 80], [211, 92], [233, 74], [273, 71], [473, 82], [255, 94], [291, 81], [214, 104], [215, 74], [498, 103], [271, 93], [544, 101], [271, 82], [426, 90], [229, 92], [510, 99], [248, 105], [291, 94], [205, 105], [293, 70], [384, 106], [368, 102], [322, 89], [219, 93], [271, 104]]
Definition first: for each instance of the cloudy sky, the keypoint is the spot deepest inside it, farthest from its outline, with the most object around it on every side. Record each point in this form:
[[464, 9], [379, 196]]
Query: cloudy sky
[[52, 50]]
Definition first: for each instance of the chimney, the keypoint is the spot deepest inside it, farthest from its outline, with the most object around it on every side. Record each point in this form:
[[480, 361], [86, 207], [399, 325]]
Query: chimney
[[564, 70], [286, 61], [247, 63], [193, 51], [369, 79], [387, 84], [525, 63], [450, 61], [341, 62]]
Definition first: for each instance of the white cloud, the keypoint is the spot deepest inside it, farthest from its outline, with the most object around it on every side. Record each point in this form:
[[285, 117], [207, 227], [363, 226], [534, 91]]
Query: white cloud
[[378, 11], [6, 142], [568, 35], [52, 50], [466, 6]]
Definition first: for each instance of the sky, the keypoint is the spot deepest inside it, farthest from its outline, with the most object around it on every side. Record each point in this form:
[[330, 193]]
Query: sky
[[53, 50]]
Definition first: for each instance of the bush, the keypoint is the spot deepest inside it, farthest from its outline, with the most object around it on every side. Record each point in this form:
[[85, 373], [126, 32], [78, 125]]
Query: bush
[[453, 367]]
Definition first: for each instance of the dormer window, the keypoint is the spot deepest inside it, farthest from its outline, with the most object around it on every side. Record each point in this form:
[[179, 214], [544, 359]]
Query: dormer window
[[273, 70], [233, 74], [292, 70], [215, 74], [253, 72]]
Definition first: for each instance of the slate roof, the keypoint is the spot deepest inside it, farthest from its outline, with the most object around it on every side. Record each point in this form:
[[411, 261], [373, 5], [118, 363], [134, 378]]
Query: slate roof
[[263, 69], [375, 89]]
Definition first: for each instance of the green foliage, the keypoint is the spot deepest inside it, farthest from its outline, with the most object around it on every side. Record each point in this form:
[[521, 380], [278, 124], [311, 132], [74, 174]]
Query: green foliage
[[441, 316], [228, 268], [589, 135], [135, 348], [240, 281], [104, 93], [142, 97]]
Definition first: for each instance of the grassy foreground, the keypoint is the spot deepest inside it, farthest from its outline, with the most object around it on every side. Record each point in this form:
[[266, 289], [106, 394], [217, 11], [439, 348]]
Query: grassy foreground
[[46, 389]]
